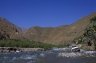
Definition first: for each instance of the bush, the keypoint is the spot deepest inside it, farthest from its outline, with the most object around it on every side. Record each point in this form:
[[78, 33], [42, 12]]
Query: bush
[[24, 44]]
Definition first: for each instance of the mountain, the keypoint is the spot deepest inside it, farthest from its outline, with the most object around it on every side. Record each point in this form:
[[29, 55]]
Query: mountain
[[53, 35], [8, 30], [60, 34], [88, 39]]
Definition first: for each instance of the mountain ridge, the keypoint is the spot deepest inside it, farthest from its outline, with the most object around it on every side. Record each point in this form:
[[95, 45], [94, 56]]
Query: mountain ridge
[[60, 34], [55, 35]]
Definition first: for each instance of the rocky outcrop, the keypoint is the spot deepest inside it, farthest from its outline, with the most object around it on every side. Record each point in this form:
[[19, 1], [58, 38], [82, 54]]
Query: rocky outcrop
[[88, 39], [8, 30]]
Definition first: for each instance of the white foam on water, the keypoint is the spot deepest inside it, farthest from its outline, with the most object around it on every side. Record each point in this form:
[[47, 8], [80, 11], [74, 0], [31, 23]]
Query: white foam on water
[[31, 61], [90, 52], [42, 54], [69, 54], [14, 58], [77, 54], [28, 57]]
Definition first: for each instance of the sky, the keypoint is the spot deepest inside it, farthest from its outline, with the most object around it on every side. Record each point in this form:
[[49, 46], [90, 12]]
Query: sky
[[45, 13]]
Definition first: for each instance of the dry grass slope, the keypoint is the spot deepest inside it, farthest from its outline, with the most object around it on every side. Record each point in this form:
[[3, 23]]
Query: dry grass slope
[[61, 34]]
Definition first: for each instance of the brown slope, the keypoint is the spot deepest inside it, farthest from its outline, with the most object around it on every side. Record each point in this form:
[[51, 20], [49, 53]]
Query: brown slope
[[61, 34], [8, 30]]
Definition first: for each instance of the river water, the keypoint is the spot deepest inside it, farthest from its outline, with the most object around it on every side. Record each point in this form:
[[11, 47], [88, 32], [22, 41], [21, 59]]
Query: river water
[[46, 57]]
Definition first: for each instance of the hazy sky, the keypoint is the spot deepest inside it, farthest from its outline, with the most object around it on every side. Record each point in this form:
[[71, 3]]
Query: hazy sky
[[27, 13]]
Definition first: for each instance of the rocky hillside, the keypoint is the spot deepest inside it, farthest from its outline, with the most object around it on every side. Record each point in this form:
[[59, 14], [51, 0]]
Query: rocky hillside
[[60, 34], [53, 35], [8, 30], [88, 39]]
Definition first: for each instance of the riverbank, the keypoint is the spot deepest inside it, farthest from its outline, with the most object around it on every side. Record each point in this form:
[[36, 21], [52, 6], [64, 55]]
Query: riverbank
[[15, 49]]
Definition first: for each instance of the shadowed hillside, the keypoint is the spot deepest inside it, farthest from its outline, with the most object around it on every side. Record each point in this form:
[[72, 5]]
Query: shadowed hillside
[[8, 30], [88, 39]]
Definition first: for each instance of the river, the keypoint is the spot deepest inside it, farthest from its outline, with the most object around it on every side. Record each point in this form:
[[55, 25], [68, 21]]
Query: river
[[46, 57]]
